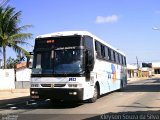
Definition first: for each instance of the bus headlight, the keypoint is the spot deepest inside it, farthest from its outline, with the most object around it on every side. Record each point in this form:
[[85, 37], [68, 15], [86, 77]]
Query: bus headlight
[[34, 92], [74, 85], [72, 93]]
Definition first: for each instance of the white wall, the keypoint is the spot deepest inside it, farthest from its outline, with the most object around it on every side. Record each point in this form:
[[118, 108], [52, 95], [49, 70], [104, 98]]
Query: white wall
[[131, 67], [155, 64], [7, 79], [23, 74]]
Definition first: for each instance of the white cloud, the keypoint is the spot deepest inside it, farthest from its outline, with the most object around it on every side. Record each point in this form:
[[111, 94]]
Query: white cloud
[[107, 19]]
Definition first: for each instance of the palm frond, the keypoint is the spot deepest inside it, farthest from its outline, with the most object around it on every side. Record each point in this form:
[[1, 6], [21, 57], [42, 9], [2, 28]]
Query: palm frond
[[21, 37], [17, 42], [4, 3], [11, 26], [19, 29], [10, 33], [19, 50], [8, 11]]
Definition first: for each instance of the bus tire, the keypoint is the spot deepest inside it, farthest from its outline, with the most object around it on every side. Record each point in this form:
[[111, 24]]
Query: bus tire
[[121, 87], [95, 95]]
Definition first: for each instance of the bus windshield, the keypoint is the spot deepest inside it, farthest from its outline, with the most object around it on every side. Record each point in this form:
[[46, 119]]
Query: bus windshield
[[66, 61]]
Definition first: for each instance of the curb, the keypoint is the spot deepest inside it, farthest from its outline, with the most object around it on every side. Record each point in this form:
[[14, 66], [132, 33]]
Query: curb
[[15, 90], [131, 80]]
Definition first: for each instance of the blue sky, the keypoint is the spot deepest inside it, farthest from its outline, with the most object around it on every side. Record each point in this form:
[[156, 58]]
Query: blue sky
[[124, 24]]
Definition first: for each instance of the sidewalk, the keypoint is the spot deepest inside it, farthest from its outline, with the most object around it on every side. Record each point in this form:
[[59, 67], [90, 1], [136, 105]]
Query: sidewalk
[[137, 79], [13, 95], [142, 78]]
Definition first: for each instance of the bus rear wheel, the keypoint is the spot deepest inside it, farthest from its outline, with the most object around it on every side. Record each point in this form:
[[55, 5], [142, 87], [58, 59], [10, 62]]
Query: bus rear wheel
[[121, 87], [95, 95]]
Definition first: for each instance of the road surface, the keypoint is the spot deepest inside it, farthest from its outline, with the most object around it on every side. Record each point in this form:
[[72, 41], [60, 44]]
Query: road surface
[[139, 100]]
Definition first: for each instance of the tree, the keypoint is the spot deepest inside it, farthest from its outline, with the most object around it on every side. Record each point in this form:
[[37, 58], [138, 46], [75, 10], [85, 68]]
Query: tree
[[3, 2], [10, 33], [10, 63]]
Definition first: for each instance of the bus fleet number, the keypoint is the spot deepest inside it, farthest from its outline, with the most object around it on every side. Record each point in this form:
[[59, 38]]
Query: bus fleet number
[[72, 79]]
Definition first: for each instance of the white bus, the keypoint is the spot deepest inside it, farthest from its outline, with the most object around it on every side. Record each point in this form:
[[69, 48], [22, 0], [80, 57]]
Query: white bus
[[75, 65]]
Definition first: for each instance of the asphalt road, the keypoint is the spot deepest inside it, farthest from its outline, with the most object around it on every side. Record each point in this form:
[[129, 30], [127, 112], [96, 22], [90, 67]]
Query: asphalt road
[[139, 100]]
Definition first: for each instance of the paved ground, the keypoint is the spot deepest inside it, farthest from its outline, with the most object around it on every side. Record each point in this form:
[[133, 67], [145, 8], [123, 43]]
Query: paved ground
[[139, 100], [14, 95]]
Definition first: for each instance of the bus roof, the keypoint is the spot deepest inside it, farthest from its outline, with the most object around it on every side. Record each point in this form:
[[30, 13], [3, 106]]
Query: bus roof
[[71, 33]]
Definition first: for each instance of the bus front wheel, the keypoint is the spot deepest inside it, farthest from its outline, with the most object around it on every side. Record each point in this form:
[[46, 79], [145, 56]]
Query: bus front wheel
[[95, 95]]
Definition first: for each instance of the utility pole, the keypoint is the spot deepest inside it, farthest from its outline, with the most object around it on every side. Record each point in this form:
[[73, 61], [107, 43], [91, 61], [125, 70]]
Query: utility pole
[[137, 67]]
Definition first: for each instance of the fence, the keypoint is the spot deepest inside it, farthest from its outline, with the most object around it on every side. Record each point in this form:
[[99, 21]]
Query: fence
[[7, 79], [11, 79], [23, 78]]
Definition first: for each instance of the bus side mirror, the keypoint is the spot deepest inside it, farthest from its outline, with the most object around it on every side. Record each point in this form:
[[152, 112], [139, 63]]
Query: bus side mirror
[[29, 61]]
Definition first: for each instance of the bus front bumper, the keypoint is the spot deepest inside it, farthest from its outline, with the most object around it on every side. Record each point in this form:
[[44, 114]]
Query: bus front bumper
[[55, 93]]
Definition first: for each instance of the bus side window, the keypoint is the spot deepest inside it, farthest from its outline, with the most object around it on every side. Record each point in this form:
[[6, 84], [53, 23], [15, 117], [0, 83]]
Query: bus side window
[[98, 49], [120, 57], [112, 56], [109, 54], [106, 53], [116, 57], [124, 60], [96, 46], [102, 51], [88, 42]]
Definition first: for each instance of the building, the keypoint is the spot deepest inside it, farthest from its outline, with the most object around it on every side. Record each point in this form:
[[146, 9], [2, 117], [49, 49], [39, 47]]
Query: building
[[131, 71], [22, 76], [156, 67], [146, 72]]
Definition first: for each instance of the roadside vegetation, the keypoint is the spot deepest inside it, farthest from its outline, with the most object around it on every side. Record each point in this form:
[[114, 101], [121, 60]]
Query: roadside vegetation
[[11, 33]]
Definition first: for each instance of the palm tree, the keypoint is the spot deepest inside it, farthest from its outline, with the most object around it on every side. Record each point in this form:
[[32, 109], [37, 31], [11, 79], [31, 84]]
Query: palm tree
[[10, 33]]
